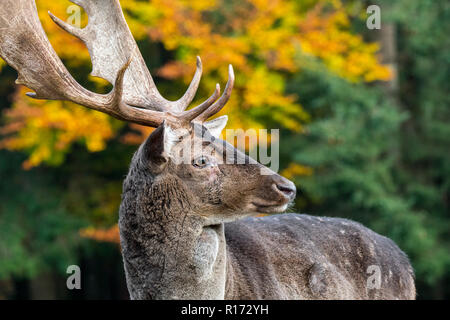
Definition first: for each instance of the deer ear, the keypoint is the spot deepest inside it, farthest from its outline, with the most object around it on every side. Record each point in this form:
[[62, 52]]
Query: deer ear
[[157, 148], [216, 126]]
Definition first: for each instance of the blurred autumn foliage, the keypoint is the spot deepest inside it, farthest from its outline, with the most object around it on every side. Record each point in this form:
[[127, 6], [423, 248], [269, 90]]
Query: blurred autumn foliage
[[105, 235], [364, 134]]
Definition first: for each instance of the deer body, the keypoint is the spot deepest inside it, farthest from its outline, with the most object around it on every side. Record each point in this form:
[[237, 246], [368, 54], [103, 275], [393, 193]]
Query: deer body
[[293, 256], [171, 255], [184, 218]]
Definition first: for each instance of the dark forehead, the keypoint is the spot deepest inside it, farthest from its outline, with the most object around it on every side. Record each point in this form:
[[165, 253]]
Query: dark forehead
[[201, 132], [221, 147]]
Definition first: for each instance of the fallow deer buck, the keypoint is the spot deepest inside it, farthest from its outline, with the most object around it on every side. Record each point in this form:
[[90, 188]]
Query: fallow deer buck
[[185, 228]]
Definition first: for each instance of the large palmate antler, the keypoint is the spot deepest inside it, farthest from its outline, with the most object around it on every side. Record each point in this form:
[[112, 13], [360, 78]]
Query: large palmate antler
[[115, 57]]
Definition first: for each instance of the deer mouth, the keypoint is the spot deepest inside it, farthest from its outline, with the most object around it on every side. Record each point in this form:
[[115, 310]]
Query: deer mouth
[[273, 208]]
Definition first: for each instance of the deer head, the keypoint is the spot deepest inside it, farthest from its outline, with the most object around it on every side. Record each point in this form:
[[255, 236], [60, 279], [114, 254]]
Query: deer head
[[222, 181]]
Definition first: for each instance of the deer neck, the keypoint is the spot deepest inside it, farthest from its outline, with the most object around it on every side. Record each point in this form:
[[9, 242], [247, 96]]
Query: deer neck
[[168, 251]]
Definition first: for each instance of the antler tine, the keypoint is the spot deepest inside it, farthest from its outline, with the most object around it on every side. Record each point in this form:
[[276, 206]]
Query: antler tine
[[193, 113], [219, 104], [125, 112], [77, 32], [187, 98]]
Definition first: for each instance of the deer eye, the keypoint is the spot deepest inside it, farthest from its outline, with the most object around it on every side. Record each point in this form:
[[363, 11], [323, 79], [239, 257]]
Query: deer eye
[[200, 162]]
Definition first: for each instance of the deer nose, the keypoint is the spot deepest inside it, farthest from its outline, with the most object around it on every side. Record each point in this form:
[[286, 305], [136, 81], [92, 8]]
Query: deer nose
[[287, 188]]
